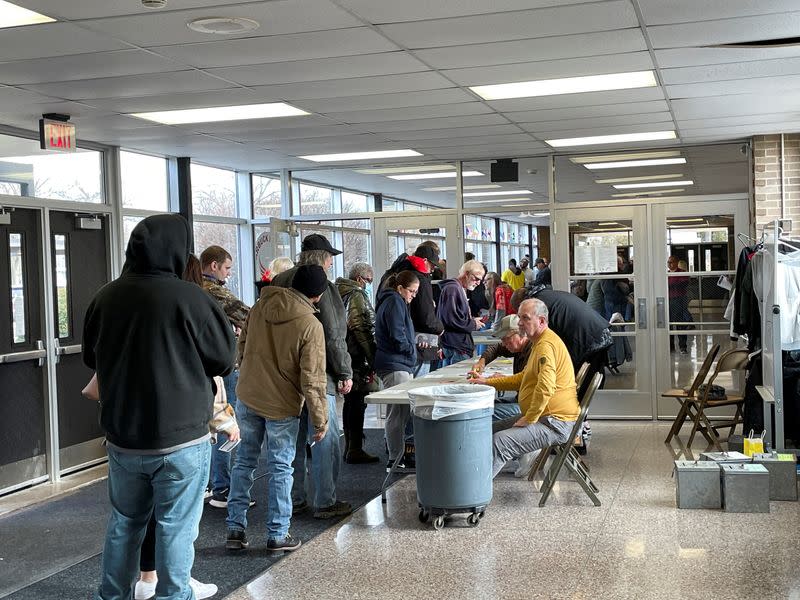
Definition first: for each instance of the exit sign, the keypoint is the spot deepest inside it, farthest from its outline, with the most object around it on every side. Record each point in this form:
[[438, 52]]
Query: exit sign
[[56, 135]]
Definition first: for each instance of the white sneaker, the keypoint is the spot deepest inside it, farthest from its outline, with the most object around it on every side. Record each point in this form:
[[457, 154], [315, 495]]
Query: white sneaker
[[525, 464], [202, 590], [144, 590]]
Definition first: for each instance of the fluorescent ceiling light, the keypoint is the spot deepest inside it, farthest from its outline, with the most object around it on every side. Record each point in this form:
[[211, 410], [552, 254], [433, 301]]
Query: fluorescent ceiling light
[[636, 163], [528, 200], [434, 175], [652, 184], [620, 138], [694, 220], [503, 193], [609, 223], [541, 214], [221, 113], [452, 188], [408, 169], [617, 156], [566, 85], [363, 156], [12, 15], [640, 178], [647, 193]]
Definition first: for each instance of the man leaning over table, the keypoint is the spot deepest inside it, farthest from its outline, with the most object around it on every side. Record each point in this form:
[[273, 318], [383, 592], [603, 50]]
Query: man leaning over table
[[546, 392]]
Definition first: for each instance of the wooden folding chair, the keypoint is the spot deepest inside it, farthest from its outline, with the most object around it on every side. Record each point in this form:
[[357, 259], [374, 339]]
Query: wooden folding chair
[[541, 458], [732, 360], [567, 456], [682, 395]]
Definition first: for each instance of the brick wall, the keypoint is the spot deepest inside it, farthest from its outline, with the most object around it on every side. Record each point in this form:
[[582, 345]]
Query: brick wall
[[767, 179]]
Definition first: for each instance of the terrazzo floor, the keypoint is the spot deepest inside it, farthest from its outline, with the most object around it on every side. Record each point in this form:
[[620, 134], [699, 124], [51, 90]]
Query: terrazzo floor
[[636, 545]]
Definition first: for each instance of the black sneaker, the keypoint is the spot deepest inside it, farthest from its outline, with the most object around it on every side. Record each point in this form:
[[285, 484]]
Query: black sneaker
[[299, 507], [410, 457], [236, 540], [220, 500], [287, 544], [337, 509]]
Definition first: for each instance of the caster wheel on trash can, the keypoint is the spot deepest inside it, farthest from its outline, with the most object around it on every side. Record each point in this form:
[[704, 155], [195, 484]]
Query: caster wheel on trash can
[[474, 519], [424, 516], [438, 522]]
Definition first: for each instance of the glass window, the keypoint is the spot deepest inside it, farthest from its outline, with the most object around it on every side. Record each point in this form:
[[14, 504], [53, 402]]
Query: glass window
[[352, 202], [144, 182], [9, 188], [62, 286], [266, 196], [213, 191], [220, 234], [392, 205], [128, 223], [27, 170], [17, 262], [316, 200], [355, 249]]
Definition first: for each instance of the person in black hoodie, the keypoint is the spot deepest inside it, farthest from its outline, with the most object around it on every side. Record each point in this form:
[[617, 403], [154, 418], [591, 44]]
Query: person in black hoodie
[[422, 307], [155, 342], [396, 350]]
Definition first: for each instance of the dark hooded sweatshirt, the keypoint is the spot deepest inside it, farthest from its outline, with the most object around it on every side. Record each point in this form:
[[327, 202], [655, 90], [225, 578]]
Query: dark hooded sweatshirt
[[155, 342]]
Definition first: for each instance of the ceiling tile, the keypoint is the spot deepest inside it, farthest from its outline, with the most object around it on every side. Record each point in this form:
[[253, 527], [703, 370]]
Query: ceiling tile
[[420, 10], [11, 97], [551, 69], [355, 143], [132, 85], [499, 27], [52, 39], [568, 131], [280, 48], [729, 106], [325, 69], [443, 140], [266, 135], [94, 9], [578, 112], [417, 112], [619, 121], [756, 85], [429, 134], [490, 152], [339, 88], [521, 51], [259, 124], [84, 66], [745, 130], [730, 71], [201, 99], [575, 100], [774, 118], [385, 101], [725, 31], [690, 57], [439, 123], [275, 18], [658, 12]]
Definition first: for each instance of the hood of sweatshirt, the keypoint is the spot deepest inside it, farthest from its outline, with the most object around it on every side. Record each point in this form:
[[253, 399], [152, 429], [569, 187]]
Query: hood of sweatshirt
[[282, 305], [159, 245], [383, 295]]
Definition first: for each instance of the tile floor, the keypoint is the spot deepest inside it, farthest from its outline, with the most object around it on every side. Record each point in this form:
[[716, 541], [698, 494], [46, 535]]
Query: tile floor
[[636, 545]]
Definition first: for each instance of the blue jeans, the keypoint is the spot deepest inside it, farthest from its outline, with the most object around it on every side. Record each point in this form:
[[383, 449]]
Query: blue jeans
[[170, 486], [281, 435], [326, 459], [220, 479], [504, 410], [452, 356]]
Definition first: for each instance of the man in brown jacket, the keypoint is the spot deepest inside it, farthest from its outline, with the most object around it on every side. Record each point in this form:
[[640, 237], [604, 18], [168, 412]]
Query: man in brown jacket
[[282, 358]]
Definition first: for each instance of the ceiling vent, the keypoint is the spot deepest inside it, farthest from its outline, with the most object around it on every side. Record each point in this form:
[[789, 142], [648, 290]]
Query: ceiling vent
[[154, 3], [773, 43], [223, 25]]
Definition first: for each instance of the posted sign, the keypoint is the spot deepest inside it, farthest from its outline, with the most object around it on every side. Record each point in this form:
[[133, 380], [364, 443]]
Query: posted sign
[[56, 135]]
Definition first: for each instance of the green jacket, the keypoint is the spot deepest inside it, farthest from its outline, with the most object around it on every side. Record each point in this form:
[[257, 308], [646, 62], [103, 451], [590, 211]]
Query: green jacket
[[235, 309], [360, 329]]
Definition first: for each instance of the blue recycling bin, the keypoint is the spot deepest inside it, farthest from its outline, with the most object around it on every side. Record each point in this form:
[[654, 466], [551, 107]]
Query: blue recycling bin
[[453, 434]]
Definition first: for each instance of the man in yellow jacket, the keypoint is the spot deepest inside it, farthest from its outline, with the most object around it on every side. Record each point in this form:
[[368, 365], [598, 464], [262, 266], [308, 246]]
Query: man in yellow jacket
[[546, 392]]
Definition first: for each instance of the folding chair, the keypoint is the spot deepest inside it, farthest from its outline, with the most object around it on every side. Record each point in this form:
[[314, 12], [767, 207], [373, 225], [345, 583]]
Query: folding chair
[[567, 456], [541, 458], [732, 360], [682, 395]]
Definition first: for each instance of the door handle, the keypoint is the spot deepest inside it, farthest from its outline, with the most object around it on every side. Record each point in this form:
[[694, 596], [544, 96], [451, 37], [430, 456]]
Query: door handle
[[14, 357], [661, 315], [64, 350], [641, 310]]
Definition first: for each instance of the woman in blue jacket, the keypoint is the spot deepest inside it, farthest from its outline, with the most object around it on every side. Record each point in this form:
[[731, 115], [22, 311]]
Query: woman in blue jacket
[[396, 350]]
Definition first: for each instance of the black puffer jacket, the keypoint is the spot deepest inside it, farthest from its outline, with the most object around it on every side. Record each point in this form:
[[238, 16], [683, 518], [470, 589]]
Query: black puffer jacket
[[360, 329]]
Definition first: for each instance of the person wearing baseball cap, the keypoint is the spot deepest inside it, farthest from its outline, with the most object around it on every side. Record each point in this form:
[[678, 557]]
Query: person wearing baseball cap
[[326, 455]]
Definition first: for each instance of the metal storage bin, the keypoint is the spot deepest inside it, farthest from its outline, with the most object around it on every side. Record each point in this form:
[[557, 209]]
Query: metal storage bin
[[697, 484], [453, 436], [782, 474], [745, 488], [726, 458]]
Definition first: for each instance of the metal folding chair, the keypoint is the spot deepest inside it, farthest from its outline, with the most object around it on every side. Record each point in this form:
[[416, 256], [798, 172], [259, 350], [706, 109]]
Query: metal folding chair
[[684, 396], [567, 456]]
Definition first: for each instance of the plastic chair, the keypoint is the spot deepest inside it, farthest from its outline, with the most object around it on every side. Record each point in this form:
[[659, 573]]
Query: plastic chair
[[567, 456], [682, 395], [732, 360]]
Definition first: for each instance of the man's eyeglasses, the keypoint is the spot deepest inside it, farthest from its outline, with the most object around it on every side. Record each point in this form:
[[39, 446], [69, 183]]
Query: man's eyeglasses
[[475, 278]]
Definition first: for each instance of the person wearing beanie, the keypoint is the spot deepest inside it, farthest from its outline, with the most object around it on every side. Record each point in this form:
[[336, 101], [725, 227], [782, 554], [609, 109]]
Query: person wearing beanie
[[282, 356]]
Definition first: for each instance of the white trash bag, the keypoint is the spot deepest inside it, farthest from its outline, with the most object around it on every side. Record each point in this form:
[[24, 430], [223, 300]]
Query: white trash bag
[[439, 401]]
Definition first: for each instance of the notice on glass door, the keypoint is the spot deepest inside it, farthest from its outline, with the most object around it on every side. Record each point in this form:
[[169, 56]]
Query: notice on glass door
[[595, 259]]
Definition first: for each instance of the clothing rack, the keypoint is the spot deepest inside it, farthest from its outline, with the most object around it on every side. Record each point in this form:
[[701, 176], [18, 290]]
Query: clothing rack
[[771, 391]]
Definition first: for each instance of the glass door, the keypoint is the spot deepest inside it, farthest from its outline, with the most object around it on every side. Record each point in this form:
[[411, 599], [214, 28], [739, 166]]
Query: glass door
[[602, 255], [694, 256]]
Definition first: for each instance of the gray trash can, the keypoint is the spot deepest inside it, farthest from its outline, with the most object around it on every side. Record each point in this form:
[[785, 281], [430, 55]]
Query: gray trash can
[[453, 437]]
